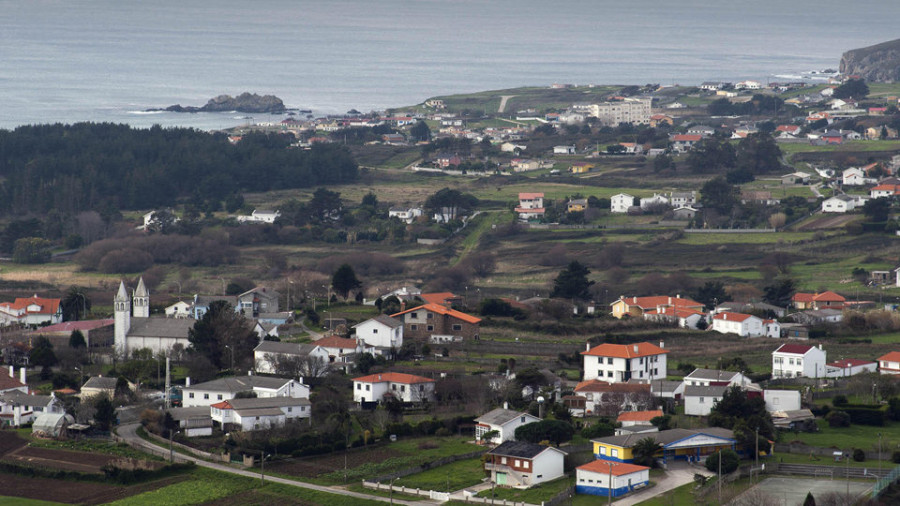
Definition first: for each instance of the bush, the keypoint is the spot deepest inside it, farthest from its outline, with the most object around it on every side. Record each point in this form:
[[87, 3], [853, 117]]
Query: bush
[[895, 457], [840, 400], [730, 461], [859, 455], [838, 419], [866, 415]]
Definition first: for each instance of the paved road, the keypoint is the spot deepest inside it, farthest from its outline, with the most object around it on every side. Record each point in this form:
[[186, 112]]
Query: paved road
[[677, 475], [503, 100], [128, 432]]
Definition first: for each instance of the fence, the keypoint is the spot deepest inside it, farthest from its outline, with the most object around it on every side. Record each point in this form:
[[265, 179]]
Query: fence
[[802, 449], [885, 481]]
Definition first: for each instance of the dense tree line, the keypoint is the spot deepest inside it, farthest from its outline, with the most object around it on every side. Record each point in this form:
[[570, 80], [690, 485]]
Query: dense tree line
[[98, 166]]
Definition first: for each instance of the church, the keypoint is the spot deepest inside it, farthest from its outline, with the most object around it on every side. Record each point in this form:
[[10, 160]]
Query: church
[[135, 329]]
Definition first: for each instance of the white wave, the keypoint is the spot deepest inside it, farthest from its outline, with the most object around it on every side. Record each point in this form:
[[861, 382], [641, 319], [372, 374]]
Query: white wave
[[146, 112], [788, 76]]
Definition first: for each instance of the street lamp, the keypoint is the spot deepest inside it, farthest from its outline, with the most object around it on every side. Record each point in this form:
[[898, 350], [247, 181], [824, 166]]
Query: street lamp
[[229, 348]]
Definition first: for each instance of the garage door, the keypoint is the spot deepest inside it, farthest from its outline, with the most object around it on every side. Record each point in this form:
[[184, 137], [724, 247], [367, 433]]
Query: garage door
[[501, 478]]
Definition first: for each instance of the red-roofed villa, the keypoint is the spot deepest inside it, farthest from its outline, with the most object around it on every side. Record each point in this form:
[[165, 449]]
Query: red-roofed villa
[[798, 361], [32, 310], [405, 387], [618, 363]]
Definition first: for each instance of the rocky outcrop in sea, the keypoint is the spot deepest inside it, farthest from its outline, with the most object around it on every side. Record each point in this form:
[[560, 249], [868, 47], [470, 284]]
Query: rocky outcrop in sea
[[245, 102]]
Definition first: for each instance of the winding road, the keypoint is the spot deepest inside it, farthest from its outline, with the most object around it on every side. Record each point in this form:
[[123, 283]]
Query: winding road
[[128, 432]]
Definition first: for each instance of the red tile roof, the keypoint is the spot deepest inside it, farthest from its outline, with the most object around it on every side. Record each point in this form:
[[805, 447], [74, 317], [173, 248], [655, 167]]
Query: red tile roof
[[687, 138], [639, 416], [530, 196], [602, 386], [221, 405], [850, 362], [799, 349], [393, 377], [7, 382], [79, 325], [893, 356], [47, 306], [828, 296], [677, 311], [336, 342], [437, 298], [607, 466], [731, 317], [625, 350], [443, 310], [655, 301]]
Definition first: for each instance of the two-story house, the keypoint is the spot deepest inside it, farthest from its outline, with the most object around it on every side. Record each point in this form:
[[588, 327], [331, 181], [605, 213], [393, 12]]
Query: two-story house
[[259, 413], [741, 324], [637, 306], [715, 377], [438, 324], [823, 300], [223, 389], [889, 363], [32, 310], [620, 203], [798, 361], [618, 363], [531, 206], [382, 332], [521, 464], [407, 388]]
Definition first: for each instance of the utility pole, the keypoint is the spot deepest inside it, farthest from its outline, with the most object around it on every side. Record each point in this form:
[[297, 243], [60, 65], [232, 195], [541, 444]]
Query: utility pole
[[171, 451], [847, 473], [168, 383], [879, 455]]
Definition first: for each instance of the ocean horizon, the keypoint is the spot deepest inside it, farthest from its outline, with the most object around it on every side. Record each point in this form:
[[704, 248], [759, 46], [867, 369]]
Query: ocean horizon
[[110, 61]]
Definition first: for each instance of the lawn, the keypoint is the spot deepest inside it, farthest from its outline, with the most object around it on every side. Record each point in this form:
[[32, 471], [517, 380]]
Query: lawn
[[855, 436], [744, 238], [448, 478], [533, 495], [21, 501]]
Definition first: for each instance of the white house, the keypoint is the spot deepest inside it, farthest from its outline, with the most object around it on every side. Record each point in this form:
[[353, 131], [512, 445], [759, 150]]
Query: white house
[[798, 360], [683, 317], [223, 389], [405, 214], [260, 216], [405, 387], [889, 363], [504, 422], [855, 176], [17, 408], [563, 150], [715, 377], [656, 199], [32, 310], [381, 332], [620, 203], [180, 309], [522, 465], [748, 85], [531, 206], [618, 363], [259, 413], [341, 351], [847, 367], [839, 204], [699, 401], [274, 357], [605, 478], [781, 400], [744, 325]]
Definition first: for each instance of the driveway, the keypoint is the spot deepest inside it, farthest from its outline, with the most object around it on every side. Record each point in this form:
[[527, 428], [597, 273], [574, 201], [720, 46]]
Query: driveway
[[678, 474], [128, 432]]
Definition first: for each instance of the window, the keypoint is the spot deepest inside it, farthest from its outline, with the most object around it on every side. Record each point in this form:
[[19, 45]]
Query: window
[[609, 374], [799, 362], [191, 395], [374, 331], [609, 360], [642, 374], [457, 327], [290, 410], [525, 464], [516, 463], [413, 327], [413, 315], [393, 387], [791, 361], [430, 328], [359, 386], [402, 388], [503, 460], [219, 397], [642, 360], [615, 453], [206, 396], [702, 400], [522, 419], [429, 315], [367, 387], [602, 450]]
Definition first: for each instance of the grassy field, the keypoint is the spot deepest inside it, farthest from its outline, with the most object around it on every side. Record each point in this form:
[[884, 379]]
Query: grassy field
[[447, 478], [21, 501], [855, 436], [533, 495]]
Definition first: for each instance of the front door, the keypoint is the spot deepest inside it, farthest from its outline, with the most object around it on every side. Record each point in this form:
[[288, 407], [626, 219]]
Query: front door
[[501, 478]]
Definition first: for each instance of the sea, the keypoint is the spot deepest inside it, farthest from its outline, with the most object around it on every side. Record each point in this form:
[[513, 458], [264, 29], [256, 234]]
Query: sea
[[111, 60]]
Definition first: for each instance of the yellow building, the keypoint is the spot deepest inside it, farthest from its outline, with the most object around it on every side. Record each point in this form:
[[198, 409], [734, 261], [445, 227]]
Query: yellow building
[[637, 306], [581, 168], [677, 444]]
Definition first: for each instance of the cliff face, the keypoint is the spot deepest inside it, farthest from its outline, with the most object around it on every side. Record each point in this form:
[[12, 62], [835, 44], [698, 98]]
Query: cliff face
[[879, 63]]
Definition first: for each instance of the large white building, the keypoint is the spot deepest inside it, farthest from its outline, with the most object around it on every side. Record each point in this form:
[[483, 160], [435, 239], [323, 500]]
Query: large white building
[[618, 363], [224, 389], [889, 363], [620, 203], [405, 387], [738, 323], [605, 477], [259, 413], [135, 329], [631, 110], [699, 401], [798, 361]]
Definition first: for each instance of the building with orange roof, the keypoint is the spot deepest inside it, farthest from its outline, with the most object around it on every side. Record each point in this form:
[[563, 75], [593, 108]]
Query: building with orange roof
[[605, 478], [742, 324], [618, 363], [824, 300], [531, 206], [638, 306], [404, 387], [448, 299], [596, 397], [884, 190], [683, 317], [438, 324], [638, 417], [32, 310], [889, 363]]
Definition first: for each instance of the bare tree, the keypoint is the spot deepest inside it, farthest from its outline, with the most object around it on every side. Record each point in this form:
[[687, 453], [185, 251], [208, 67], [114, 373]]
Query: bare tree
[[756, 497]]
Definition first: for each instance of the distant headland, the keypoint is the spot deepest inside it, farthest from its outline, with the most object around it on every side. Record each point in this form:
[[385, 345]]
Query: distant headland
[[879, 63], [245, 102]]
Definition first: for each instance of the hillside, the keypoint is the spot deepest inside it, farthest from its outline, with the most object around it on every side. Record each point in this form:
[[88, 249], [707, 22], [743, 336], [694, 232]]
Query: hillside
[[878, 63]]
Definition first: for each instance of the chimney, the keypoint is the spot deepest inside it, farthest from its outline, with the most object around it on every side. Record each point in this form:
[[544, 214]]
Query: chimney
[[670, 301], [662, 344], [587, 346], [820, 346], [379, 377], [22, 376], [724, 316], [505, 405], [635, 348], [634, 300], [187, 382], [12, 372]]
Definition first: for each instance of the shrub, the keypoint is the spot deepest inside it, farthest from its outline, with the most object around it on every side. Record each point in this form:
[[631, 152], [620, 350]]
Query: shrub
[[839, 400], [895, 457], [730, 461], [859, 455], [838, 419]]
